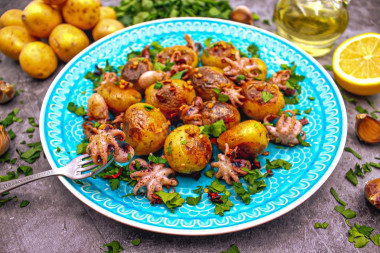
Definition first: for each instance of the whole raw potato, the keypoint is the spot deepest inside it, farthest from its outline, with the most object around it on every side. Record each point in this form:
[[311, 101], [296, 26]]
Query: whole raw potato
[[40, 19], [105, 27], [67, 41], [145, 128], [54, 2], [11, 17], [186, 150], [38, 60], [83, 14], [13, 39], [107, 12], [250, 136]]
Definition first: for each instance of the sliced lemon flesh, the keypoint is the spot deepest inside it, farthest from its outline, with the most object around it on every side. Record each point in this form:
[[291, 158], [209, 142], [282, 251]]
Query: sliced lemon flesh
[[356, 64]]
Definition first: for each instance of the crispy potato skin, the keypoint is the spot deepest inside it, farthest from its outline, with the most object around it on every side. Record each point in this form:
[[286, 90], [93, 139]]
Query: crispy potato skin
[[250, 136], [67, 41], [190, 151], [213, 111], [105, 27], [118, 100], [133, 69], [216, 52], [13, 39], [170, 97], [38, 60], [254, 106], [206, 79], [107, 12], [188, 55], [11, 17], [262, 69], [83, 14], [145, 130], [40, 19]]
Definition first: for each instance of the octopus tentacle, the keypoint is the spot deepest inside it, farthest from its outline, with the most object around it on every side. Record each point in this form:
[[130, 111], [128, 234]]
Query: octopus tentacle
[[143, 164]]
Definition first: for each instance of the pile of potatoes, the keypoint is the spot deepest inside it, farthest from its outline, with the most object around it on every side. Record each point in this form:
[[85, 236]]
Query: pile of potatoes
[[46, 29]]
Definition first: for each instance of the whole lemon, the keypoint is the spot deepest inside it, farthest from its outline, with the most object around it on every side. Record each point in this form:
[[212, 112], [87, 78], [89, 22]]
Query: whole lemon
[[40, 19], [11, 17], [105, 27], [107, 12], [83, 14], [67, 41], [38, 60], [13, 39]]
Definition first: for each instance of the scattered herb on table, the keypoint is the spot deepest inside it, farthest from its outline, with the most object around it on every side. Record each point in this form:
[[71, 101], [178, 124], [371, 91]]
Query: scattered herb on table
[[361, 109], [323, 225], [232, 249], [255, 17], [351, 176], [347, 213], [26, 170], [266, 21], [336, 197], [32, 154], [11, 118], [10, 175], [136, 242], [3, 201], [12, 135], [370, 102], [113, 247], [348, 99], [24, 203], [32, 122], [327, 67], [350, 150]]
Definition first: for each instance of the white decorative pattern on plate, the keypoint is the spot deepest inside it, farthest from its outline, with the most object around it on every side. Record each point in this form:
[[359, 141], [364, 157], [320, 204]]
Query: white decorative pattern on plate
[[285, 189]]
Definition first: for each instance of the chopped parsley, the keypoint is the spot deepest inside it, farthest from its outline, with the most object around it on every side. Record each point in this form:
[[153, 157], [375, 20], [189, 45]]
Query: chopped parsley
[[253, 50], [10, 175], [154, 49], [348, 99], [370, 102], [170, 148], [148, 107], [311, 98], [113, 247], [293, 82], [323, 225], [308, 111], [279, 163], [79, 111], [3, 201], [232, 249], [26, 170], [240, 78], [350, 150], [221, 97], [215, 129], [336, 197], [171, 200], [30, 130], [351, 176], [327, 67], [10, 118], [81, 148], [241, 192], [184, 142], [347, 213], [266, 21], [157, 85], [361, 109], [32, 154], [136, 242], [195, 200], [208, 41], [12, 135], [156, 159], [210, 173], [302, 142], [266, 96], [255, 17], [32, 122], [24, 203]]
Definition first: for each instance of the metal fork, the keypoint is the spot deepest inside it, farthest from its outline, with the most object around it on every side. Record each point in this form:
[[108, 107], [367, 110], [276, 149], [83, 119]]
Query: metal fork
[[76, 170]]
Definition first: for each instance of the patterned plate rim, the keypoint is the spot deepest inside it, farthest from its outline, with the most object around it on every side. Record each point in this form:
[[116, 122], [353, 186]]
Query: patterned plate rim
[[201, 232]]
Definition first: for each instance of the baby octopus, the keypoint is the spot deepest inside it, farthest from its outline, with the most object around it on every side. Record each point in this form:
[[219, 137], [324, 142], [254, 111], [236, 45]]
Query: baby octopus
[[103, 141], [230, 168], [154, 178], [286, 130], [280, 78], [233, 92], [241, 66]]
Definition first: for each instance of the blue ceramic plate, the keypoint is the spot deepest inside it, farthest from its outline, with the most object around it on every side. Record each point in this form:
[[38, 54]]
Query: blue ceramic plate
[[285, 190]]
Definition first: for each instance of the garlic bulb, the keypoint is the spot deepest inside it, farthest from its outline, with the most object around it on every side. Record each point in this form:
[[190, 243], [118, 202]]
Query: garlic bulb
[[242, 14], [372, 192], [7, 92], [5, 140]]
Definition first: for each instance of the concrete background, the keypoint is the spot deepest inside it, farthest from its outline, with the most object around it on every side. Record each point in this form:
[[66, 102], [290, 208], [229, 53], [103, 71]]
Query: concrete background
[[56, 221]]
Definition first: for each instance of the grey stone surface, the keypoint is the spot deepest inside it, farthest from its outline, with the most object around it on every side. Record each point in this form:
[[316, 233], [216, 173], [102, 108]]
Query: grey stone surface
[[56, 221]]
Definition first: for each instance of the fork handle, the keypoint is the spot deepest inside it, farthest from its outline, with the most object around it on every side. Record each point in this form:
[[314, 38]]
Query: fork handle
[[9, 185]]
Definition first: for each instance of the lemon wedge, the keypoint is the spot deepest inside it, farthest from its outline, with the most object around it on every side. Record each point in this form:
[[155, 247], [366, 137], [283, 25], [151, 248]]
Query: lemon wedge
[[356, 64]]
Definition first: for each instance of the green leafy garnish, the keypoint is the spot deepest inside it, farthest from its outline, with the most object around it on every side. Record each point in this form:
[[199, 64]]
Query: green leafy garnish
[[12, 135], [210, 173], [226, 204], [221, 97], [10, 118], [347, 213], [327, 67], [255, 17], [115, 183], [302, 142], [184, 142], [350, 150], [136, 242], [370, 102], [3, 201], [31, 122], [348, 99], [232, 249], [195, 200], [171, 200], [279, 163], [336, 197], [351, 176], [170, 148], [156, 159], [266, 96], [266, 21], [375, 165], [239, 78], [253, 50], [241, 192], [10, 175], [79, 111], [361, 109], [26, 170], [215, 129], [208, 41], [30, 130], [81, 148], [178, 75], [320, 225], [308, 111], [216, 186], [148, 107], [311, 98], [113, 247], [24, 203], [32, 154], [157, 85]]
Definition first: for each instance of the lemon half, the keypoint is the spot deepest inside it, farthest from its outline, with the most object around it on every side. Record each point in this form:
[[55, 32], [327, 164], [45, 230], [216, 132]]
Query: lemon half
[[356, 64]]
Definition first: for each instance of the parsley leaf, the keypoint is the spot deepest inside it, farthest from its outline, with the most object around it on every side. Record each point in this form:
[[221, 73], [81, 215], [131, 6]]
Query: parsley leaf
[[148, 107], [195, 200], [136, 242], [266, 96], [178, 75], [348, 99], [171, 200], [184, 142], [215, 129], [302, 142], [361, 109], [336, 197], [24, 203], [113, 247], [10, 175], [370, 102], [253, 50], [375, 165], [232, 249], [241, 192], [255, 17], [351, 176], [210, 173], [327, 67], [3, 201], [32, 154], [348, 149], [226, 204], [79, 111], [156, 159], [115, 183], [31, 122], [279, 163], [311, 98], [216, 186], [239, 78], [208, 41], [81, 148], [320, 225], [347, 213], [157, 85], [26, 170], [10, 118], [221, 97], [375, 239], [308, 111], [170, 148], [12, 134]]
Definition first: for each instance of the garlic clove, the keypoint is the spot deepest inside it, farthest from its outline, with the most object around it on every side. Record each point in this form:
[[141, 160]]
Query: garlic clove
[[372, 192], [7, 92], [242, 14], [5, 140], [367, 128]]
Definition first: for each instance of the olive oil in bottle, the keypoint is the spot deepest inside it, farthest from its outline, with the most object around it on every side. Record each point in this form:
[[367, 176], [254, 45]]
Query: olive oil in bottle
[[314, 25]]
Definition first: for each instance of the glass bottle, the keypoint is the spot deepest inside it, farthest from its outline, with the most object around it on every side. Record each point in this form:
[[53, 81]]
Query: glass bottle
[[314, 25]]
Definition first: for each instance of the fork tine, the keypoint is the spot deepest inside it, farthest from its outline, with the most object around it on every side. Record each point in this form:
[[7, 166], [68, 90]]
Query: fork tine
[[84, 162], [84, 169], [101, 168]]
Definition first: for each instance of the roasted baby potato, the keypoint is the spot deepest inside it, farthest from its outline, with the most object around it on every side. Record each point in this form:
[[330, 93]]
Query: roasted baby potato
[[54, 2], [40, 19], [213, 55], [170, 97], [145, 128], [133, 69], [38, 60], [179, 55], [206, 79], [117, 99], [214, 111], [11, 17], [250, 136], [97, 108], [67, 41], [83, 14], [107, 12], [105, 27], [261, 70], [13, 39], [262, 98], [186, 150]]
